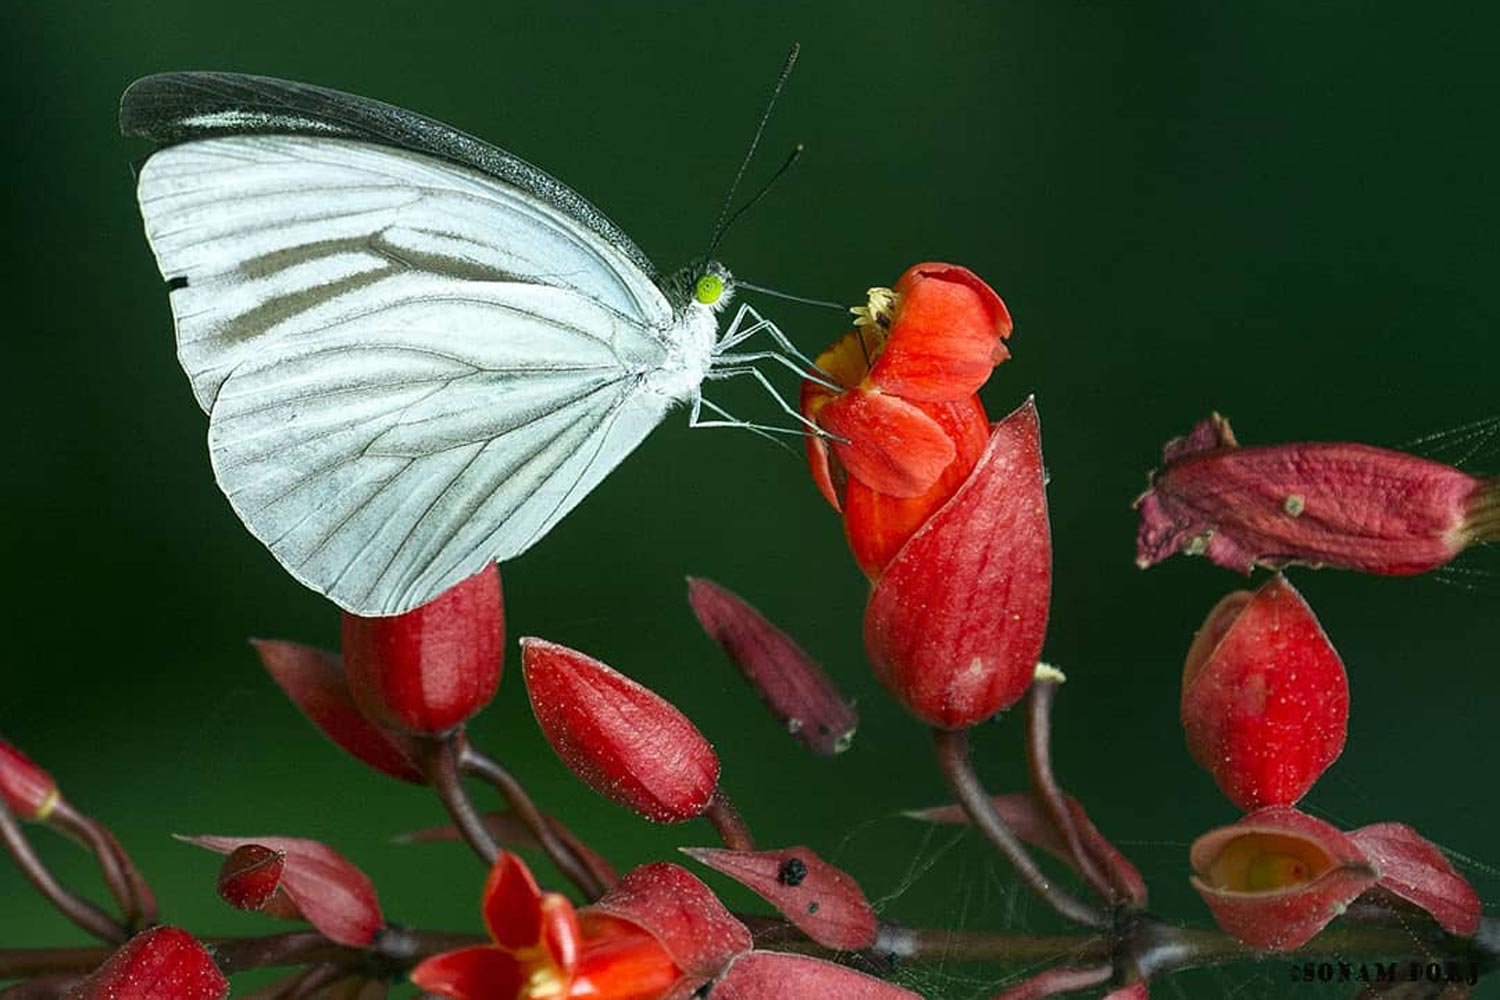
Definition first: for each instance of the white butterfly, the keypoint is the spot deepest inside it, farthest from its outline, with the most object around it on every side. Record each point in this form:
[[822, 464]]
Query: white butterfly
[[417, 351]]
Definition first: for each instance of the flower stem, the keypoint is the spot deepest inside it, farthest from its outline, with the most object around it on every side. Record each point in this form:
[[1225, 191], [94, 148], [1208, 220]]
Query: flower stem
[[573, 864], [137, 902], [77, 909], [952, 747], [729, 824], [1044, 782], [440, 764]]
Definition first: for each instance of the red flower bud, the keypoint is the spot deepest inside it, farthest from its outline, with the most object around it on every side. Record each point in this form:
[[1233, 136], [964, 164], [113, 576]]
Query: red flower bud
[[163, 963], [250, 877], [625, 741], [1416, 870], [789, 681], [955, 625], [1346, 505], [680, 912], [819, 898], [1265, 700], [428, 670], [315, 682], [322, 885], [27, 790], [1278, 876]]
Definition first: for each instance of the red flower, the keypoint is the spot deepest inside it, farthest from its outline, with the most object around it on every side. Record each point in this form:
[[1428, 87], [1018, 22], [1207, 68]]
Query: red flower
[[659, 927], [909, 425], [1265, 700], [430, 669], [163, 963], [27, 790], [624, 740], [1345, 505]]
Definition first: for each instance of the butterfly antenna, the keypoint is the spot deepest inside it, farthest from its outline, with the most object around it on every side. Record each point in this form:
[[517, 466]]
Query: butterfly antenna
[[724, 215], [788, 296]]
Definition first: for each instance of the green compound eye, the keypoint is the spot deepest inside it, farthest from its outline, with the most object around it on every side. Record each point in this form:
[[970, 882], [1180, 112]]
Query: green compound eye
[[708, 289]]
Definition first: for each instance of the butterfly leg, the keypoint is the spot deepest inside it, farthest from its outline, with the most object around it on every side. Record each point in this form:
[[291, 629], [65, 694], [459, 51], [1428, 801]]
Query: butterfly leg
[[736, 336], [736, 371]]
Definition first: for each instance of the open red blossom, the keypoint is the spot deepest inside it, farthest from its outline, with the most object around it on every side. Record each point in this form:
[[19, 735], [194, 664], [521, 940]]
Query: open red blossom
[[788, 680], [1351, 506], [1416, 870], [954, 627], [430, 669], [27, 790], [905, 382], [1265, 700], [314, 680], [821, 899], [652, 935], [1278, 876], [163, 963], [624, 740], [323, 887]]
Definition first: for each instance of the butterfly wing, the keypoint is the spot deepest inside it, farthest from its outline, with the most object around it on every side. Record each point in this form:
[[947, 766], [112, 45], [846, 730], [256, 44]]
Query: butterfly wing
[[412, 365]]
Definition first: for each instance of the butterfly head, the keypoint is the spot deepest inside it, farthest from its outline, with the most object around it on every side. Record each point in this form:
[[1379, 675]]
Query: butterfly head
[[703, 285]]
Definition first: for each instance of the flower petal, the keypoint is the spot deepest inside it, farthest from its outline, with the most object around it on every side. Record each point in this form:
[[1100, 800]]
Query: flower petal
[[890, 445], [330, 892], [946, 336], [314, 680], [471, 974], [955, 626], [822, 900], [682, 913], [772, 975], [512, 904], [1417, 871]]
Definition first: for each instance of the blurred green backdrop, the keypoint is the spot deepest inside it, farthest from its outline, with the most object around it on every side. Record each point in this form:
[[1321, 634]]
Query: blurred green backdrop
[[1283, 211]]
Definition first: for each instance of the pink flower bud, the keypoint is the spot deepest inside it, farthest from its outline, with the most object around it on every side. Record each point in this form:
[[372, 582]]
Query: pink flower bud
[[314, 680], [163, 963], [428, 670], [27, 790], [955, 625], [625, 741], [1265, 700], [326, 889], [250, 877], [822, 900], [1278, 876], [1351, 506], [789, 681]]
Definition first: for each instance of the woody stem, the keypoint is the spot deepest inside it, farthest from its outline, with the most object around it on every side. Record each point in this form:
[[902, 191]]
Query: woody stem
[[1044, 783], [953, 758], [77, 909], [573, 864]]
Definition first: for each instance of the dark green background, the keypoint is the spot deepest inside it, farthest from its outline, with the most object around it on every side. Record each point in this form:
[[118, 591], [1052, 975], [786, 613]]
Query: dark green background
[[1283, 211]]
